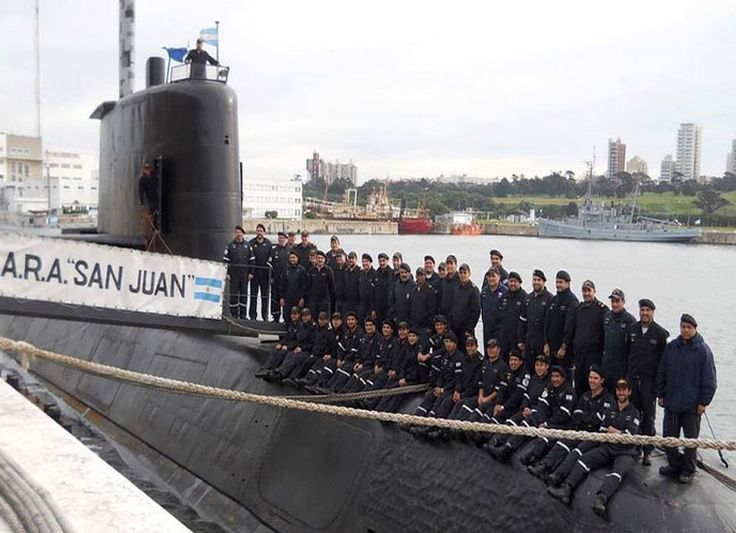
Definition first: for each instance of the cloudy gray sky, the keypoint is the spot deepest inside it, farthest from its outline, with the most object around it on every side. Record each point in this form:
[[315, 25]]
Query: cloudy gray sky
[[406, 88]]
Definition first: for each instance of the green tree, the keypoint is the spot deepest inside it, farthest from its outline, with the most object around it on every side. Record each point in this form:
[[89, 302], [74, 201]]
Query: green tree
[[710, 201]]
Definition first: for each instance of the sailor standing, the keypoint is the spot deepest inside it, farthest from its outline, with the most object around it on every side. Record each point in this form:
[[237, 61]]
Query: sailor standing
[[237, 257]]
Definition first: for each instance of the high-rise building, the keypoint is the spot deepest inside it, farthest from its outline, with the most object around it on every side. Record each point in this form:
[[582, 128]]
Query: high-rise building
[[616, 157], [667, 169], [636, 165], [319, 169], [731, 162], [689, 144]]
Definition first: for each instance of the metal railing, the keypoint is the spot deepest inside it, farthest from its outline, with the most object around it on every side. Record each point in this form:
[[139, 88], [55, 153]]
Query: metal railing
[[198, 71]]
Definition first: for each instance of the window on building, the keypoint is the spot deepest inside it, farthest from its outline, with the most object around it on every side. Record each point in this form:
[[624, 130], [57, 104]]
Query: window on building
[[65, 165], [66, 186], [80, 188], [76, 166]]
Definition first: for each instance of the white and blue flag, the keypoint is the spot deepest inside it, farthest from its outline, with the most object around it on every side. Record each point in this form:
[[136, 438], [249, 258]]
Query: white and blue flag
[[209, 36], [208, 289]]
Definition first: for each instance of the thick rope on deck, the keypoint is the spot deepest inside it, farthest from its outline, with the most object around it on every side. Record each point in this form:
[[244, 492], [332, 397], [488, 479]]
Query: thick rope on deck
[[27, 352]]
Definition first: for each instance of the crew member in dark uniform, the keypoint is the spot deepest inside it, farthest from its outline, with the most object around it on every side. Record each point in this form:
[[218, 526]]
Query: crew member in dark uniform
[[508, 313], [366, 286], [321, 283], [490, 298], [407, 374], [384, 280], [646, 341], [399, 299], [465, 310], [616, 325], [533, 316], [260, 273], [497, 263], [433, 280], [303, 249], [447, 286], [148, 190], [335, 250], [294, 284], [352, 285], [198, 58], [279, 263], [686, 384], [493, 371], [587, 339], [622, 418], [559, 324], [338, 272], [423, 305], [237, 257]]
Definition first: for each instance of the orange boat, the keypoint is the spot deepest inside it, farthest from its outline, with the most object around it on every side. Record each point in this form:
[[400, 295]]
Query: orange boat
[[471, 229]]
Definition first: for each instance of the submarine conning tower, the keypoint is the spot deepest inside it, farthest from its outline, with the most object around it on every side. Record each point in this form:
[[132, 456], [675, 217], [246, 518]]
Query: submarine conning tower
[[187, 129]]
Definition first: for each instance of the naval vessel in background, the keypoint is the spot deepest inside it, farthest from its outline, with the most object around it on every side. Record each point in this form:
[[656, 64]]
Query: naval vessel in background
[[260, 468]]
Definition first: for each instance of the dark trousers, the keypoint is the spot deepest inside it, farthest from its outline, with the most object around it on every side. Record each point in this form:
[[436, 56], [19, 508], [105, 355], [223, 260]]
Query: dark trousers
[[317, 305], [689, 423], [557, 453], [645, 399], [276, 358], [600, 456], [259, 282], [434, 406], [276, 311], [238, 296], [530, 352], [567, 464]]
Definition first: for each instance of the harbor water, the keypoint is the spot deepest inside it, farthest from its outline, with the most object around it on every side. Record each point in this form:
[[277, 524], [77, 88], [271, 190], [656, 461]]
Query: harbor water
[[678, 277]]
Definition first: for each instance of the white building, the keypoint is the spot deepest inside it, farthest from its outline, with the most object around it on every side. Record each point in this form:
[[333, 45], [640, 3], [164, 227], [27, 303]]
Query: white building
[[284, 197], [21, 169], [75, 181], [667, 169], [689, 145]]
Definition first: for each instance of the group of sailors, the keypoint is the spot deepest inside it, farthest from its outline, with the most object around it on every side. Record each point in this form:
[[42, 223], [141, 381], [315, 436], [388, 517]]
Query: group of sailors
[[547, 361]]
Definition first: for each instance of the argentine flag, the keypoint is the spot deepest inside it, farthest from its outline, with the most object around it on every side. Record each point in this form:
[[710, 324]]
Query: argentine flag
[[208, 289], [209, 36]]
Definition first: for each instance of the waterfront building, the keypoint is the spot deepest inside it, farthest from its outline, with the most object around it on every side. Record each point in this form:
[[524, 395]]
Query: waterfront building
[[689, 145], [616, 157], [318, 168], [731, 160], [667, 168], [21, 164], [636, 165], [283, 197]]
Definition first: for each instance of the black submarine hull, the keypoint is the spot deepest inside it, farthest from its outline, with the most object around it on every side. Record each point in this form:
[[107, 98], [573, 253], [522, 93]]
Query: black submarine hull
[[299, 471]]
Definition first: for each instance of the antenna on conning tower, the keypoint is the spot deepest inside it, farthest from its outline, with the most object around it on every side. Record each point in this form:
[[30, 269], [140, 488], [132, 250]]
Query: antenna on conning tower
[[127, 47], [37, 72]]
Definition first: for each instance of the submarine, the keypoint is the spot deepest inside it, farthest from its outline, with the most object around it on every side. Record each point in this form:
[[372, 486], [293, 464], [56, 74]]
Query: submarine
[[260, 468]]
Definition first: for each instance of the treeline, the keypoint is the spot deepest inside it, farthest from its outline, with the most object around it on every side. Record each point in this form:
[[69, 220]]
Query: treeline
[[441, 197]]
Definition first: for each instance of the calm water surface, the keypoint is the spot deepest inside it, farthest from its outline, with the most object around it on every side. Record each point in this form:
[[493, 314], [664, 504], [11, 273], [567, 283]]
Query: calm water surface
[[678, 277]]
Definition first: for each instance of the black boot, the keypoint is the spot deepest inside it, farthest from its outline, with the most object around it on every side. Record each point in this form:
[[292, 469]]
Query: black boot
[[554, 479], [599, 506], [562, 493], [646, 459], [501, 453], [528, 459], [669, 471], [538, 470], [262, 373]]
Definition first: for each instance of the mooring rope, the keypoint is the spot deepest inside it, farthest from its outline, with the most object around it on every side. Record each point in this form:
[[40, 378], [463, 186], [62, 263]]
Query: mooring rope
[[28, 352]]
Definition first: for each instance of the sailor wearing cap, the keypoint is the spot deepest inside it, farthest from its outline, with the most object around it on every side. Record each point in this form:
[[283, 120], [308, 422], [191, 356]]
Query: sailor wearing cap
[[491, 295], [560, 322], [686, 384], [509, 311], [279, 261], [321, 283], [422, 305], [533, 316], [399, 300], [622, 418], [616, 325], [588, 336], [237, 258], [645, 343]]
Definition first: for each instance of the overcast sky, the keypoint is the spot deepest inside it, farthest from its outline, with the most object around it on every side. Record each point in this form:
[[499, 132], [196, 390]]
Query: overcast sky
[[405, 88]]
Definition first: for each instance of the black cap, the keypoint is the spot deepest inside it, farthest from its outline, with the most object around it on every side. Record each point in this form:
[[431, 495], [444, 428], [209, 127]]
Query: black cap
[[281, 234], [420, 272], [295, 309], [588, 284], [646, 302], [369, 319], [515, 275], [451, 258], [321, 254], [493, 270], [403, 325], [366, 256], [464, 268], [471, 340], [429, 258], [389, 322], [442, 266], [541, 357], [260, 225], [493, 342], [294, 252], [623, 384], [598, 370], [617, 293], [240, 228], [440, 318], [306, 311], [323, 315], [415, 331], [688, 319], [383, 255], [562, 274], [353, 314], [515, 352], [305, 233], [561, 370], [496, 253], [539, 274], [337, 315], [405, 266], [397, 255], [451, 336]]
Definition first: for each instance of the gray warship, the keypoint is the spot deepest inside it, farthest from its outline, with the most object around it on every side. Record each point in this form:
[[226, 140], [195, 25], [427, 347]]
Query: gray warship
[[259, 468]]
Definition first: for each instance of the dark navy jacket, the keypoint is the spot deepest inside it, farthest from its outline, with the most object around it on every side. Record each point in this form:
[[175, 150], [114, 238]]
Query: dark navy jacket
[[559, 325], [294, 285], [590, 411], [615, 347], [511, 390], [410, 366], [399, 301], [686, 376], [489, 302]]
